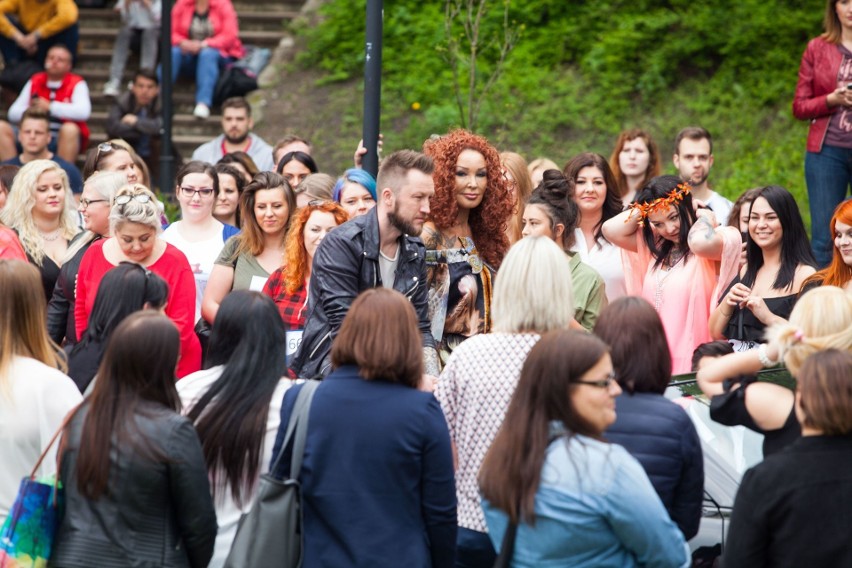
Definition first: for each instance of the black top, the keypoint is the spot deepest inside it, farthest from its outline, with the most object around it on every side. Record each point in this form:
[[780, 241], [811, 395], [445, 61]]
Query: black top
[[49, 271], [83, 362], [744, 325], [730, 409], [793, 509]]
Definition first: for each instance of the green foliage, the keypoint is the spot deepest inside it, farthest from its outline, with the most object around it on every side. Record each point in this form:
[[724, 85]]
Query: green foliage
[[583, 70]]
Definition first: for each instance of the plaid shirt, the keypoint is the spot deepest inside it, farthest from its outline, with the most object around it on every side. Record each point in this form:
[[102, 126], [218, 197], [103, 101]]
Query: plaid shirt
[[293, 307]]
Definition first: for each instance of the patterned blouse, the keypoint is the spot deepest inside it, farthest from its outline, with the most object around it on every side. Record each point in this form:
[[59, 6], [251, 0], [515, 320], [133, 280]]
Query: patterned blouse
[[474, 390]]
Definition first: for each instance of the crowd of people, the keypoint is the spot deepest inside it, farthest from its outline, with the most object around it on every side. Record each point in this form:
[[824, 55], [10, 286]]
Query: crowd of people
[[493, 340]]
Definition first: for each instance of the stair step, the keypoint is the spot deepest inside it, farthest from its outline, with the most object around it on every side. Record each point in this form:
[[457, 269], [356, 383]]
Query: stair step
[[254, 19], [104, 38], [185, 123]]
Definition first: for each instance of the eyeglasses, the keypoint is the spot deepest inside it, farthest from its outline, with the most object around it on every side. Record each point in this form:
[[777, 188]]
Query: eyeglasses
[[125, 199], [603, 383], [191, 192], [84, 203]]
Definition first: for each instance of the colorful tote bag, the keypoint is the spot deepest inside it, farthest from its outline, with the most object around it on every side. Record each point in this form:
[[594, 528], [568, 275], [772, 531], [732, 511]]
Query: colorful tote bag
[[27, 535]]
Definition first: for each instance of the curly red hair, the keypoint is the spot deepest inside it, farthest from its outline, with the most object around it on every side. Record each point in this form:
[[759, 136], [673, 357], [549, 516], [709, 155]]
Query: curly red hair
[[489, 220], [295, 253]]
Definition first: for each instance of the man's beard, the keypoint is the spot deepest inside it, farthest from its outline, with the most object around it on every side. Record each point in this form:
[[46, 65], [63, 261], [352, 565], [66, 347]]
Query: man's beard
[[402, 225], [239, 140], [695, 182]]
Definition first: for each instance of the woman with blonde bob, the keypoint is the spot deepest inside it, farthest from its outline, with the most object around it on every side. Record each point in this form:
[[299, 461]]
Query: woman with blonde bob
[[821, 319], [377, 476], [40, 208], [135, 227], [574, 499], [532, 296], [35, 393], [793, 508]]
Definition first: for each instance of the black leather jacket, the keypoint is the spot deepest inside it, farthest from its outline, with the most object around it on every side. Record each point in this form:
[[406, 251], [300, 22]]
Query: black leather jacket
[[155, 514], [345, 264]]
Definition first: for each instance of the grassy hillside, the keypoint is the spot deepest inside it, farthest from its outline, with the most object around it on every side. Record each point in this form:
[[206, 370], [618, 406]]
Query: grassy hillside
[[580, 72]]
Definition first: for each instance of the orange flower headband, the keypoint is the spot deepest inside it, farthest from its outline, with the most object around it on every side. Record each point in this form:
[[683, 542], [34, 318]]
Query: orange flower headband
[[659, 204]]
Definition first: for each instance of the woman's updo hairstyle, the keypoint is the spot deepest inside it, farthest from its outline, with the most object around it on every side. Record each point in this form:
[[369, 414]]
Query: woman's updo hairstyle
[[553, 194]]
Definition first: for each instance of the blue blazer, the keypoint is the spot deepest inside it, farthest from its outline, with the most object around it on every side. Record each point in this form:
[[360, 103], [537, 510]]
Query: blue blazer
[[378, 487]]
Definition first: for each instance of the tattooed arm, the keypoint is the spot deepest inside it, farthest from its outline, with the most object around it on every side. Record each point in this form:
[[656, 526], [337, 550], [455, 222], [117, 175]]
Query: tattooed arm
[[703, 239]]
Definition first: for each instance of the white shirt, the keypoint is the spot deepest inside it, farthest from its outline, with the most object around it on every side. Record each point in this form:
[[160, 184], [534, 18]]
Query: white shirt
[[605, 258], [721, 207], [39, 399], [191, 388], [200, 254], [79, 109]]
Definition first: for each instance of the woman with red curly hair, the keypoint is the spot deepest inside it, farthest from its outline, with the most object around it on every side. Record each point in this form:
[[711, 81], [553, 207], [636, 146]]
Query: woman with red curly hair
[[288, 285], [466, 236]]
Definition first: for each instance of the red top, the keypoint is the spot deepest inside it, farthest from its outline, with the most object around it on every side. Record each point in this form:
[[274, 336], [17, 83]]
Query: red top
[[293, 307], [817, 79], [223, 18], [39, 88], [10, 246], [171, 267]]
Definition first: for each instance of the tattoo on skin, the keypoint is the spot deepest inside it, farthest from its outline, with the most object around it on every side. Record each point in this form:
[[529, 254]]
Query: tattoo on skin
[[702, 222]]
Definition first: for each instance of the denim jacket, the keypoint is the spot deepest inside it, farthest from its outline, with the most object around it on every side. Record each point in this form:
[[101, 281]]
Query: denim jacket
[[594, 508]]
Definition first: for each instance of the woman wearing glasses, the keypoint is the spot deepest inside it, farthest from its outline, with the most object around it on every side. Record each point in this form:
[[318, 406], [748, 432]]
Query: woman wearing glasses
[[576, 500], [40, 209], [95, 204], [135, 225], [198, 234], [267, 205], [109, 157]]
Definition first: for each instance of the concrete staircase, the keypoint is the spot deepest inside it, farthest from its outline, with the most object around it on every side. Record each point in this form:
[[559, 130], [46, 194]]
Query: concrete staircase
[[261, 23]]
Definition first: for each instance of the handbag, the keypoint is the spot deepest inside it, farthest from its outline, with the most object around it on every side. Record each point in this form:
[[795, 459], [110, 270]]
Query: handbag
[[26, 538], [270, 534]]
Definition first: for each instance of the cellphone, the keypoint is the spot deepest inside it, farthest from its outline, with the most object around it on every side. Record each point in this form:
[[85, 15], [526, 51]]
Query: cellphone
[[745, 236], [849, 86]]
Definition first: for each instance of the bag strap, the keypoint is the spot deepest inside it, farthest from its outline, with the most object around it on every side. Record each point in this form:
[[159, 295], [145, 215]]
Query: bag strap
[[301, 408], [62, 426], [507, 547], [301, 433]]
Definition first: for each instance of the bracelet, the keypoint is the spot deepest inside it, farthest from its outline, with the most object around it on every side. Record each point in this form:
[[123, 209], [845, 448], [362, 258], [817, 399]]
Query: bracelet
[[764, 358], [724, 314]]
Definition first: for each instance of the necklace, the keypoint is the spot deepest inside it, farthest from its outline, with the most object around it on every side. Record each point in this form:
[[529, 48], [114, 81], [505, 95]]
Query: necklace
[[661, 282], [52, 236]]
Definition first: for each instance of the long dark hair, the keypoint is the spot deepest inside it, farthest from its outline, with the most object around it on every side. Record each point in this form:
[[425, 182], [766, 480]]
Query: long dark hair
[[138, 367], [510, 474], [248, 338], [795, 247], [612, 205], [661, 248], [125, 289], [553, 194]]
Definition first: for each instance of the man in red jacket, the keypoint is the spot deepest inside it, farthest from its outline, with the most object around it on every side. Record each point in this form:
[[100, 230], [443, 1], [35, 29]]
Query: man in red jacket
[[64, 96]]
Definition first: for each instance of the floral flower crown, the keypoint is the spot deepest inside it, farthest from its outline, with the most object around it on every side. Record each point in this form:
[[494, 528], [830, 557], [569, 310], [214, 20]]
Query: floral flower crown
[[659, 204]]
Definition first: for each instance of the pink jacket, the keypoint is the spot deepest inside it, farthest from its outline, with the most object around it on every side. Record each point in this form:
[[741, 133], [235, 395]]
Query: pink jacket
[[817, 79], [223, 17]]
